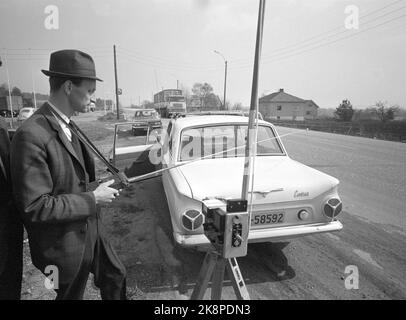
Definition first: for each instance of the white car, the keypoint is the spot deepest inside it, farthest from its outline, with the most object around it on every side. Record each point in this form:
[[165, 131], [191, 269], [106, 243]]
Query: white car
[[289, 198], [25, 113]]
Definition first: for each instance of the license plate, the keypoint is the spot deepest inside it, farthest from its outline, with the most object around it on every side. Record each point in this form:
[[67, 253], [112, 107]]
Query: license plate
[[267, 218]]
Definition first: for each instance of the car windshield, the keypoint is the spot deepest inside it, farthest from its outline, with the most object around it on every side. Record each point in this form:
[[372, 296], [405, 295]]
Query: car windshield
[[146, 114], [226, 141], [176, 99]]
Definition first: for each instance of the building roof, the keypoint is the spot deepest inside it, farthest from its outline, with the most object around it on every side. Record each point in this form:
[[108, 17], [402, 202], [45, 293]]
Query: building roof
[[282, 96]]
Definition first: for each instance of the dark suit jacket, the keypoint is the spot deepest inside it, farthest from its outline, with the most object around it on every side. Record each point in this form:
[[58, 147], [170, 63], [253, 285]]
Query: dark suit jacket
[[50, 186], [5, 194]]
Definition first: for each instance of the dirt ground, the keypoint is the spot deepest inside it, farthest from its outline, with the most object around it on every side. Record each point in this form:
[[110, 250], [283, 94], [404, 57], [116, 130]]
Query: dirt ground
[[313, 267]]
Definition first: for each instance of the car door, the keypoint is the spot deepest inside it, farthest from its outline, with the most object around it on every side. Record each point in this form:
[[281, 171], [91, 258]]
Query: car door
[[132, 154]]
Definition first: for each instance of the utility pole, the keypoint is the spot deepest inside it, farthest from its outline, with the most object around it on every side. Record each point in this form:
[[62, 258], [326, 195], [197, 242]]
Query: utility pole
[[115, 76], [225, 84], [33, 85], [9, 90], [33, 90], [177, 84], [225, 77]]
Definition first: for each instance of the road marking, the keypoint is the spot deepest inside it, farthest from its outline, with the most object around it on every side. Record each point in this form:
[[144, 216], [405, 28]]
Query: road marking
[[334, 237], [367, 257]]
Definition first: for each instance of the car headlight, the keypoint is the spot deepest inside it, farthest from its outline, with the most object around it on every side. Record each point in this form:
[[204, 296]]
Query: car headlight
[[192, 219], [332, 207]]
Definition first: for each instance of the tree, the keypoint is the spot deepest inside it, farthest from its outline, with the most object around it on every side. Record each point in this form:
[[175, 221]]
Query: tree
[[237, 106], [3, 90], [146, 104], [384, 112], [344, 111], [202, 91], [100, 103], [16, 92], [211, 101]]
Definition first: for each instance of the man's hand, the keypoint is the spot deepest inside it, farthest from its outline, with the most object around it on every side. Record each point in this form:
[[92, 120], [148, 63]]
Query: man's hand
[[105, 194]]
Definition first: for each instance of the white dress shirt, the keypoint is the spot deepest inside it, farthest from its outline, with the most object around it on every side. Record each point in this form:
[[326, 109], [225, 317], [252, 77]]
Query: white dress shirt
[[64, 127]]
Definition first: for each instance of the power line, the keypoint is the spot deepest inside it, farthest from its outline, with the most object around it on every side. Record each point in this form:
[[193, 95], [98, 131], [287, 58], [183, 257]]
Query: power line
[[322, 45], [158, 61], [166, 65], [346, 31], [338, 28]]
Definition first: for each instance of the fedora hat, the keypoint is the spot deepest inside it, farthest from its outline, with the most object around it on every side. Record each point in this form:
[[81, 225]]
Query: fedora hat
[[72, 64]]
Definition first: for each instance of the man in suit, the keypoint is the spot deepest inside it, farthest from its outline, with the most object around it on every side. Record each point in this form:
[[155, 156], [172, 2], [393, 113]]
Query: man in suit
[[11, 227], [51, 171]]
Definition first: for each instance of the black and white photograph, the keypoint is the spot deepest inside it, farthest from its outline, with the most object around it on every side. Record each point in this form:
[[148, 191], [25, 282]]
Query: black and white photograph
[[172, 150]]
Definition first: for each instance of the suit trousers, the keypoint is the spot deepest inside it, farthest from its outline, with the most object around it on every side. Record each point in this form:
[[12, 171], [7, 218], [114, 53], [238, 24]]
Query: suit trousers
[[11, 276], [109, 273]]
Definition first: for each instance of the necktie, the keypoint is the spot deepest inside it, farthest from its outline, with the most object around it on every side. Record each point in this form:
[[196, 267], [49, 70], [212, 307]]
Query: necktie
[[76, 143]]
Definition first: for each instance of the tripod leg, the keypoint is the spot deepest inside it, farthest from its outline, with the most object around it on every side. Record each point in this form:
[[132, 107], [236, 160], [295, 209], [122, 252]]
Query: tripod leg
[[237, 280], [218, 278], [205, 275]]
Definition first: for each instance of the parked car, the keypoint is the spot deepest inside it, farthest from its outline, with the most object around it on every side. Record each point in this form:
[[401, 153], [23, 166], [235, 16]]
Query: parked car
[[144, 119], [289, 199], [25, 113]]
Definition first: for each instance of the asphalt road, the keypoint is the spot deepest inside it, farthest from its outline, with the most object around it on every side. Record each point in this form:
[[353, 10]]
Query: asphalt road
[[372, 176], [372, 173]]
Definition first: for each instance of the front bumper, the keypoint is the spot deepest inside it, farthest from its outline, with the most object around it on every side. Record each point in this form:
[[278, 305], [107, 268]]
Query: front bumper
[[265, 235]]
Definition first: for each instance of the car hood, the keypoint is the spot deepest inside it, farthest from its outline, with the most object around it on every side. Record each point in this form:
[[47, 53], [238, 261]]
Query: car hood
[[277, 179]]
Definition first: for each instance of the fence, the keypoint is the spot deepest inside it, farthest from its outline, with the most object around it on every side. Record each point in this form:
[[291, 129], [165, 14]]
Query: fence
[[391, 130]]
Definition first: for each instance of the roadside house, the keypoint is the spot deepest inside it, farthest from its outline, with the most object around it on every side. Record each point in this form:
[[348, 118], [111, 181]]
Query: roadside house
[[283, 106]]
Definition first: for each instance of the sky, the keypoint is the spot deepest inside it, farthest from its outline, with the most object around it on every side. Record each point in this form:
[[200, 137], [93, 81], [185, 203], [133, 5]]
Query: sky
[[307, 50]]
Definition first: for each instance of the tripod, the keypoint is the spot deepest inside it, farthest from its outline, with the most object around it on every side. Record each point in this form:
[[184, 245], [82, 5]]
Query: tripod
[[213, 269]]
